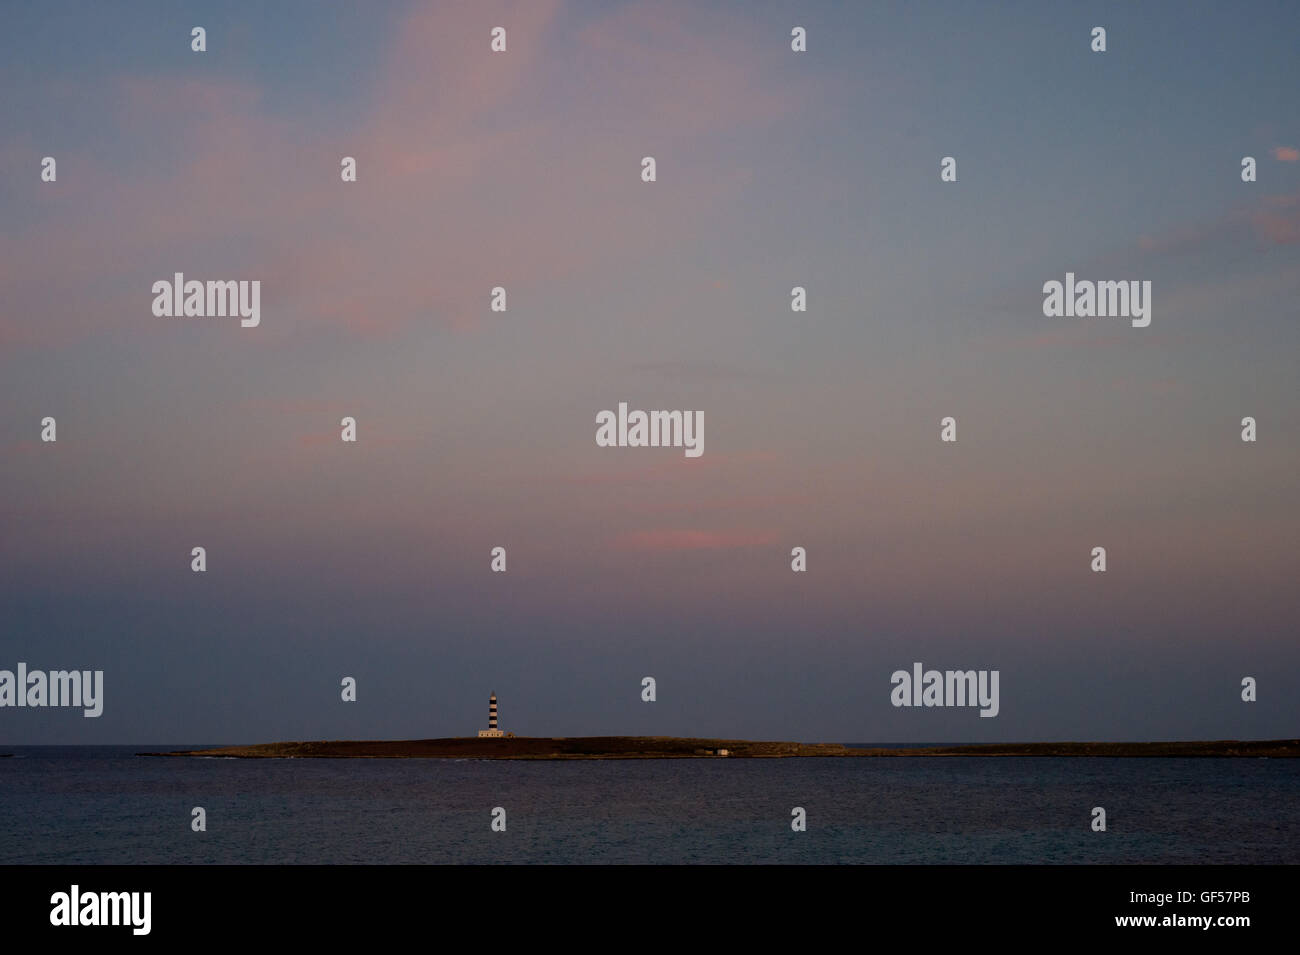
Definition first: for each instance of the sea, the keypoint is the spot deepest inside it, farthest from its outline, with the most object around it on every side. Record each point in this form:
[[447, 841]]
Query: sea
[[107, 805]]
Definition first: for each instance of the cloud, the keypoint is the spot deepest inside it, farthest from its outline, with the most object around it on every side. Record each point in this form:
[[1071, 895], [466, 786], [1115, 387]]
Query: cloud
[[471, 165], [1077, 336], [1286, 154], [290, 406], [668, 540], [676, 69], [1268, 221], [1271, 220], [1278, 219], [698, 371]]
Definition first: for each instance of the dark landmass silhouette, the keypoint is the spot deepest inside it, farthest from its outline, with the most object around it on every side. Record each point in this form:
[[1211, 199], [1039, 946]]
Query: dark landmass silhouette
[[675, 747]]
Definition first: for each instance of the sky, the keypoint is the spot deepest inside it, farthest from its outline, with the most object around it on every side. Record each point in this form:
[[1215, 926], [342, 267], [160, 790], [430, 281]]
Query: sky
[[476, 429]]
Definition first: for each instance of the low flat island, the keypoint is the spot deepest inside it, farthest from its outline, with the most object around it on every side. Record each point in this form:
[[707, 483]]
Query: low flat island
[[676, 747]]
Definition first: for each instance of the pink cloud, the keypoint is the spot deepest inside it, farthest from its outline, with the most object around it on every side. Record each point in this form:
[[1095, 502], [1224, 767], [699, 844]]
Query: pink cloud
[[1273, 220], [670, 465], [1286, 154], [1187, 237], [1278, 220], [671, 540], [678, 70], [290, 406], [318, 439], [1077, 336], [470, 164]]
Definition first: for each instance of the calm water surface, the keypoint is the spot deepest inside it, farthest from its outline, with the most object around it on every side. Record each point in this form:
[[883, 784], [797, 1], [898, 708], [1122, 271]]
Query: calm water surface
[[103, 804]]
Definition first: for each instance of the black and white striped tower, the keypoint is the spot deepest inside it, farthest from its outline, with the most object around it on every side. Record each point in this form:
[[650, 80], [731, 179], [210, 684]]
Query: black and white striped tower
[[492, 712]]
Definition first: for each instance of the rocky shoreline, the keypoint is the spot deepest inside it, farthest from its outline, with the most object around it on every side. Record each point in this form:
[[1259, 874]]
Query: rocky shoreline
[[674, 747]]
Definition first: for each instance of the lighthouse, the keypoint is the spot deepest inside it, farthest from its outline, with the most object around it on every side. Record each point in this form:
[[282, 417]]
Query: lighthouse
[[492, 719]]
